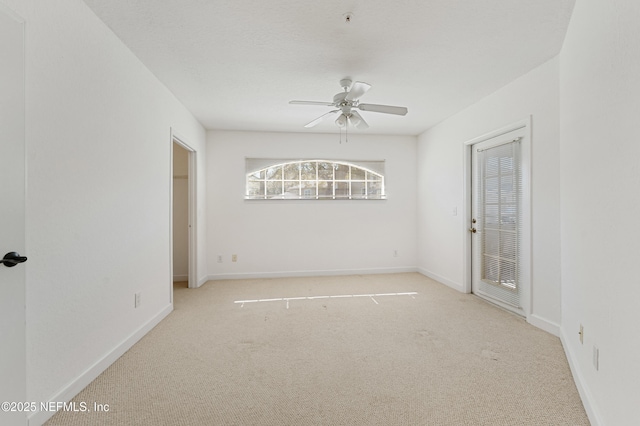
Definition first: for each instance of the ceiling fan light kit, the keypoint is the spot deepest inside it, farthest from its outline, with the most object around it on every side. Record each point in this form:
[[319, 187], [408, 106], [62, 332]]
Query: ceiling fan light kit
[[346, 102]]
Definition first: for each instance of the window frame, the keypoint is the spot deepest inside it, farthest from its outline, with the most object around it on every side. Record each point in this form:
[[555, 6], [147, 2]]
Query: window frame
[[371, 183]]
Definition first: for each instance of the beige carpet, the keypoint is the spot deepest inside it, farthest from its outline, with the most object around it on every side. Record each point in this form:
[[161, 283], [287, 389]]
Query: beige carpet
[[437, 357]]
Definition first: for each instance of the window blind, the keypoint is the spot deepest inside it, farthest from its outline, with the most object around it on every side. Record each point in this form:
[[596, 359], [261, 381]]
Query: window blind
[[499, 209]]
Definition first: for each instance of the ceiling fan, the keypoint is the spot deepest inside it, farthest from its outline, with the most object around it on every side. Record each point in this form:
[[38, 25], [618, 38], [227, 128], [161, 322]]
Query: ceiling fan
[[347, 102]]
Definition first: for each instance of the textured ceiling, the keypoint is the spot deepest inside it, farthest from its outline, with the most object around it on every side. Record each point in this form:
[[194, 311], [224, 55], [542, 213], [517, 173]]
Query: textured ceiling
[[236, 64]]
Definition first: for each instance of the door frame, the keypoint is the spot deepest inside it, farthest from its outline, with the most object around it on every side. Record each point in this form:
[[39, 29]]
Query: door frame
[[14, 280], [192, 210], [525, 248]]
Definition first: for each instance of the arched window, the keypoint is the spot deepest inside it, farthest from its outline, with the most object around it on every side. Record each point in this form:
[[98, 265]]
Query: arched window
[[314, 179]]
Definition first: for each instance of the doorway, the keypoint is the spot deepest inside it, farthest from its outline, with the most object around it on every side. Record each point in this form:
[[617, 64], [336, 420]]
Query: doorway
[[183, 214], [180, 214], [499, 219]]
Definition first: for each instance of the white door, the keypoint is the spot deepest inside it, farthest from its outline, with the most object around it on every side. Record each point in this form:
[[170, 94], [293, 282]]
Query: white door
[[497, 221], [12, 226]]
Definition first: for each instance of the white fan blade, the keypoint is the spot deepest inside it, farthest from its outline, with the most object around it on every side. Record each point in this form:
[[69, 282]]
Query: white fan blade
[[319, 119], [385, 109], [357, 89], [357, 120], [310, 103]]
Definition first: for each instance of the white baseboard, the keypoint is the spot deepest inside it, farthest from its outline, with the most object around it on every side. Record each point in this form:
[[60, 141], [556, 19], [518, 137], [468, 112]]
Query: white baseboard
[[67, 393], [442, 280], [203, 280], [287, 274], [180, 278], [544, 324], [583, 390]]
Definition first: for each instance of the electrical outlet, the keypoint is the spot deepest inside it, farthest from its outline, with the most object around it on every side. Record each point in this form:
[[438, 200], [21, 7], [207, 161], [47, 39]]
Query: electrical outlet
[[137, 300], [596, 357], [219, 258], [234, 257], [581, 333]]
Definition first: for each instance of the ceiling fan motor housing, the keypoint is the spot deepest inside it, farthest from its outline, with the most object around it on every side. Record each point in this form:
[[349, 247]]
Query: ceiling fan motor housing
[[340, 102]]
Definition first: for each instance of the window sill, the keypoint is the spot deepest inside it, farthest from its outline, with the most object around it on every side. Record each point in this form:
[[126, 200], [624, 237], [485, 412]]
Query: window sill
[[313, 199]]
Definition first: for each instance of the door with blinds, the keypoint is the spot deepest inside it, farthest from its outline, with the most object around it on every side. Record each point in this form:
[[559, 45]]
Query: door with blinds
[[496, 221]]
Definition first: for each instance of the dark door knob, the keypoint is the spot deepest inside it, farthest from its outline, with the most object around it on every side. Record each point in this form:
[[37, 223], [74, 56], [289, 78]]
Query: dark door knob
[[12, 259]]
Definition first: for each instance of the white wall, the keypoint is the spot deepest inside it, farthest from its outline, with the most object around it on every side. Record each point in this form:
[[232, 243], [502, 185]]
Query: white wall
[[98, 197], [441, 186], [299, 237], [600, 151], [180, 213]]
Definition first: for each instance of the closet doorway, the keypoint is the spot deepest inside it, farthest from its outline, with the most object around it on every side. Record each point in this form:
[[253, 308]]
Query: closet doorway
[[183, 214]]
